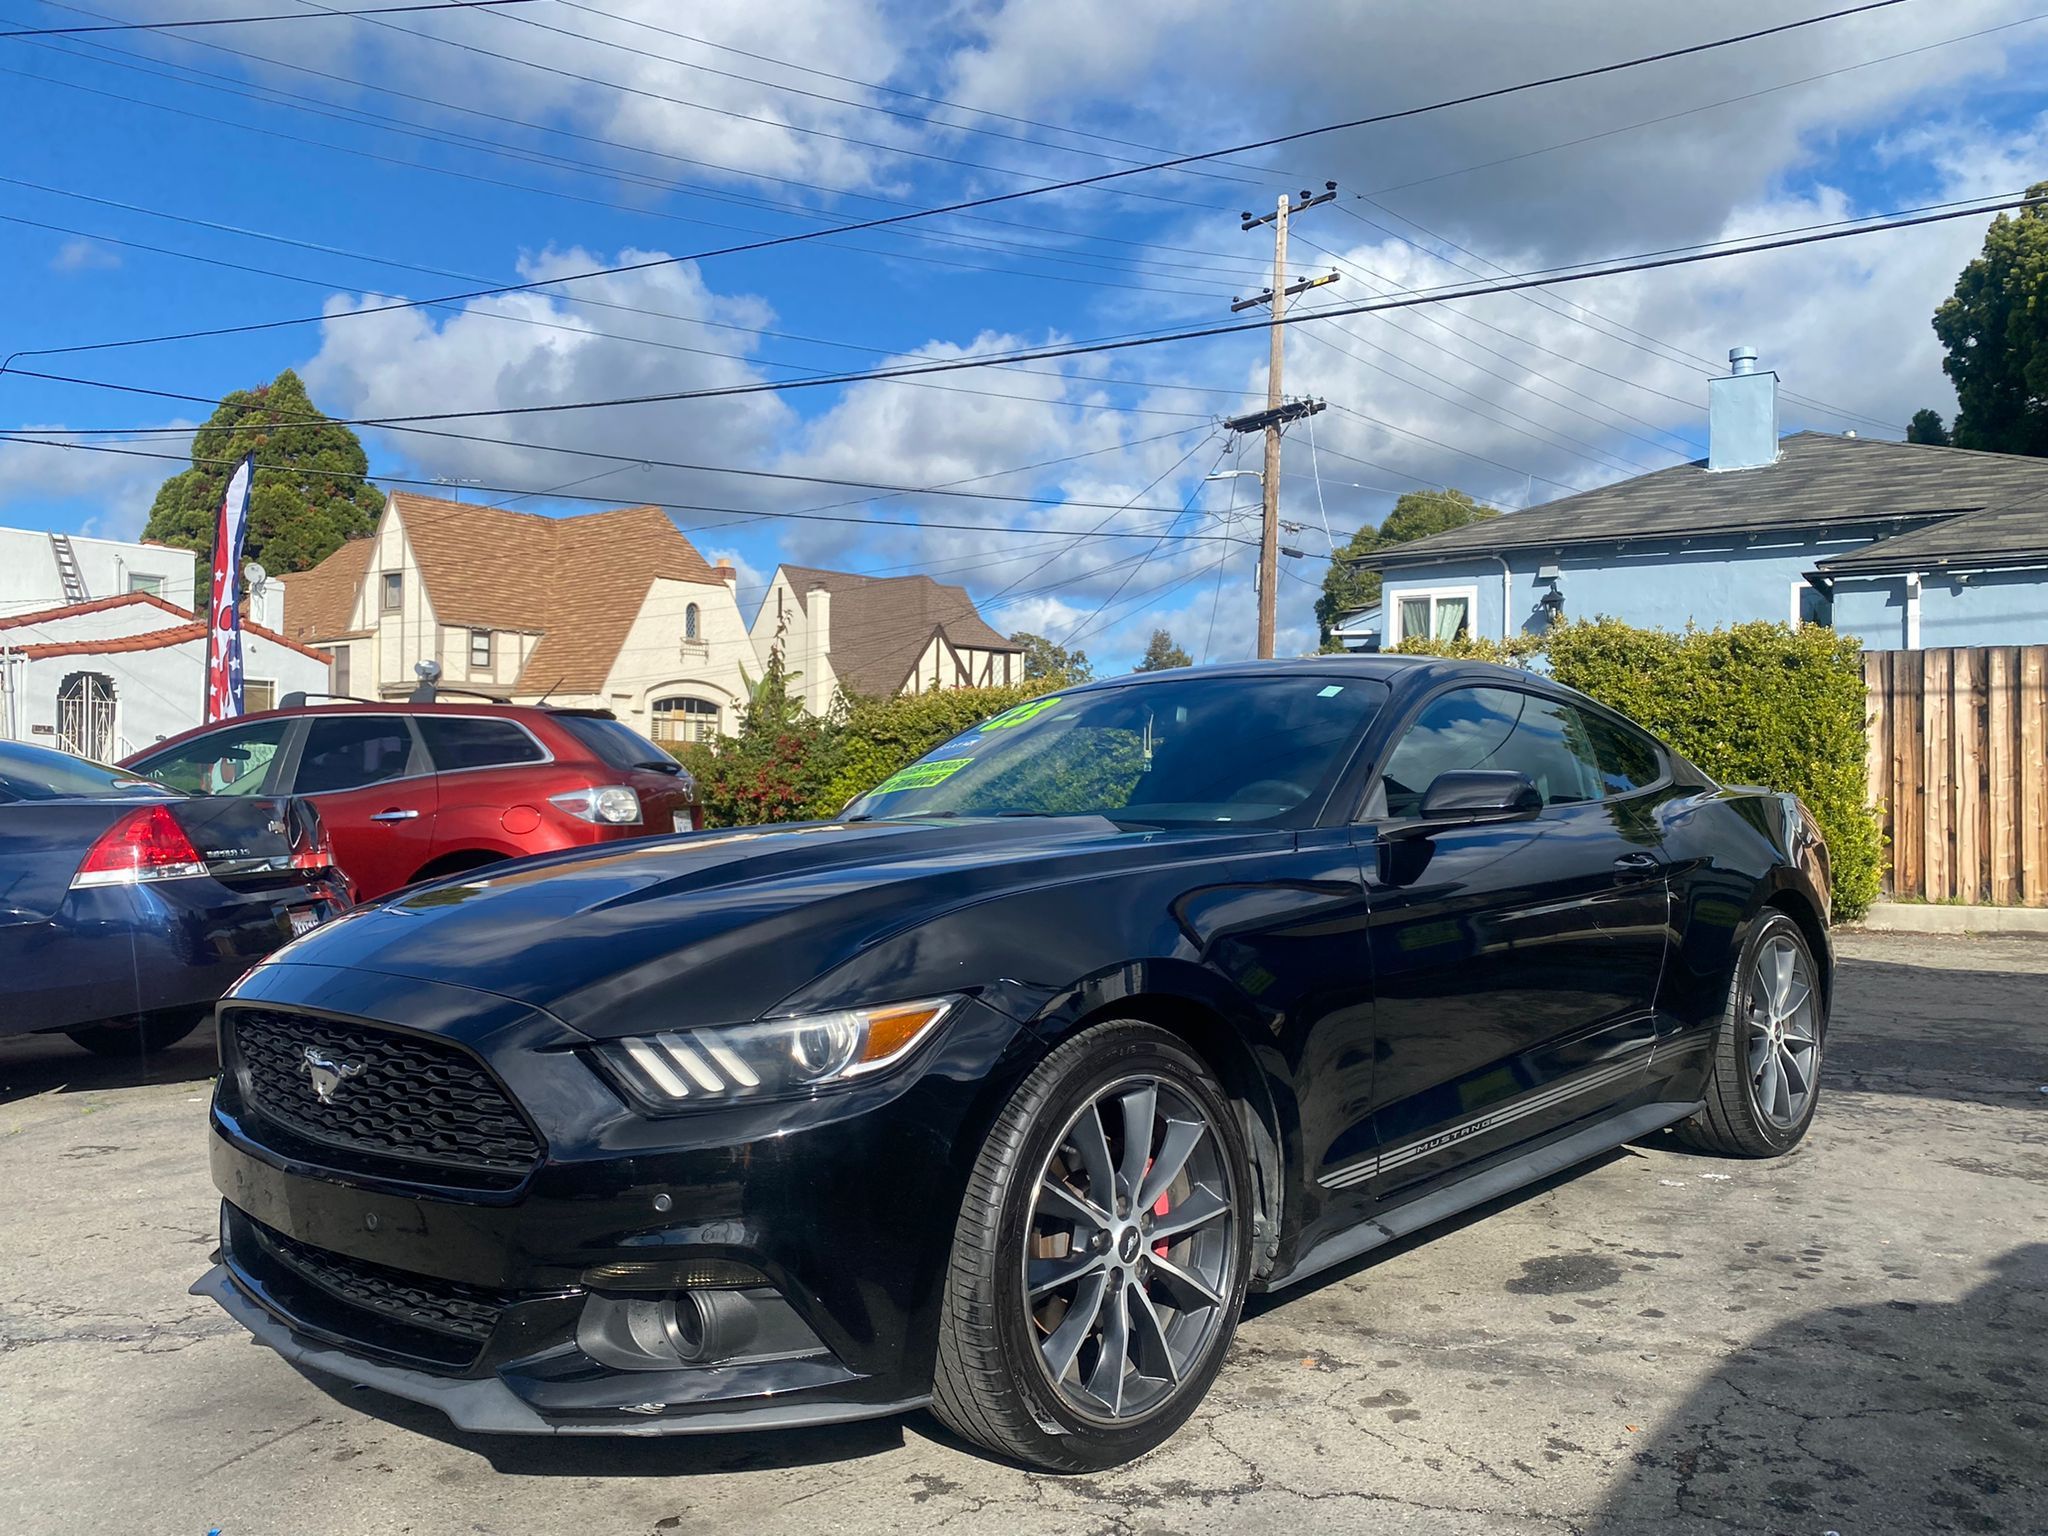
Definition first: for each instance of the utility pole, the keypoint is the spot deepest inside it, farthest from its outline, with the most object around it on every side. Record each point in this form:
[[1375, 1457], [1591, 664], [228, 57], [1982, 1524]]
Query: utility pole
[[1277, 296]]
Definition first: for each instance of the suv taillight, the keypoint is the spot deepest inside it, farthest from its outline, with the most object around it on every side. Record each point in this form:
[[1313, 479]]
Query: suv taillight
[[319, 853], [609, 805], [146, 844]]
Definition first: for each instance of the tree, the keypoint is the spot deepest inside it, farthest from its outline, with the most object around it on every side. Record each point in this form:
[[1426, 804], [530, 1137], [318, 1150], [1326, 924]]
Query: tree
[[1046, 662], [1162, 654], [1926, 427], [1351, 583], [311, 492], [1995, 331]]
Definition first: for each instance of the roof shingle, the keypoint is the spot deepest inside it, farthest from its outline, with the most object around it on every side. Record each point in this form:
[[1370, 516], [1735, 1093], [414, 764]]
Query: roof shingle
[[880, 625], [1818, 480]]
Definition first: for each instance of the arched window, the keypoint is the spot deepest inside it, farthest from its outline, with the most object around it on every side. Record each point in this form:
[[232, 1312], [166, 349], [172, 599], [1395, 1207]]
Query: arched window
[[685, 719], [693, 623]]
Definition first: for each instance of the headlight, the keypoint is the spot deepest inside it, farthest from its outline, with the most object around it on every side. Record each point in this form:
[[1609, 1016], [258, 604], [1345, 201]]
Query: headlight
[[611, 805], [772, 1058]]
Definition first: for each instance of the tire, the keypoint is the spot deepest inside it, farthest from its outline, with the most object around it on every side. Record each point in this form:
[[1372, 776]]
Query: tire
[[1749, 1111], [143, 1036], [1168, 1275]]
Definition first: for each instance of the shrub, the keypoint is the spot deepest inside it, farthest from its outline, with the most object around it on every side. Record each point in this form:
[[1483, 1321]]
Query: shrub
[[1755, 704]]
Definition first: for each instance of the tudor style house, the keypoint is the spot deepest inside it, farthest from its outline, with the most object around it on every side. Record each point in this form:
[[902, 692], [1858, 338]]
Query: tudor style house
[[613, 610], [1904, 546], [879, 636]]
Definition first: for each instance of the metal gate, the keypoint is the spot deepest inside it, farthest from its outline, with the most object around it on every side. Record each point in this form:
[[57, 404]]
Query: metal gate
[[85, 716]]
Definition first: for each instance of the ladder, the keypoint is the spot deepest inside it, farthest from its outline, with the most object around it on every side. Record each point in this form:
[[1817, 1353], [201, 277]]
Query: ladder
[[67, 569]]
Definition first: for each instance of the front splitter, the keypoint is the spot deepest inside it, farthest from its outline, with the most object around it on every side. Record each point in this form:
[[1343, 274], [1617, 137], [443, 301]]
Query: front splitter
[[488, 1406]]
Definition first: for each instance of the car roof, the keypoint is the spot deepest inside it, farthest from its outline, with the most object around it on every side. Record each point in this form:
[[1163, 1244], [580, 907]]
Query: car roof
[[1396, 671], [444, 706]]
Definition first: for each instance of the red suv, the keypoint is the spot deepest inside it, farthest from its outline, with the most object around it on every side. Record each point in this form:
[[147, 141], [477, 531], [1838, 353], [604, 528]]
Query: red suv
[[411, 791]]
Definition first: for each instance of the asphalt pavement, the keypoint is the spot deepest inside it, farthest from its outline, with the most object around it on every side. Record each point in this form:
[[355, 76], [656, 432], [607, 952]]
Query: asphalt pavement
[[1853, 1339]]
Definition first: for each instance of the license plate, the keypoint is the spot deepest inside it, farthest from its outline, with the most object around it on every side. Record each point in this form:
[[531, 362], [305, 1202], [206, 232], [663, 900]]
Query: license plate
[[302, 919], [682, 822]]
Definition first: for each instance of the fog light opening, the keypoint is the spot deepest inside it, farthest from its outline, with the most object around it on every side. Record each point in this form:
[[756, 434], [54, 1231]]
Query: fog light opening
[[709, 1325]]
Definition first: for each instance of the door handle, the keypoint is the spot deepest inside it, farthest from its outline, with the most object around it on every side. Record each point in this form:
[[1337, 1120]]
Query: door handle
[[1639, 864], [396, 816]]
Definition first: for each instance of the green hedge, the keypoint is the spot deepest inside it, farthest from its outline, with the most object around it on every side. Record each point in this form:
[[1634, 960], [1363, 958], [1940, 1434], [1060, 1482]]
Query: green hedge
[[1755, 704]]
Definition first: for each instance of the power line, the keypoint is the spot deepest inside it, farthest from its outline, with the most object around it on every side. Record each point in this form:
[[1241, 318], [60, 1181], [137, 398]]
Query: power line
[[243, 21], [1712, 251], [275, 97], [1071, 184]]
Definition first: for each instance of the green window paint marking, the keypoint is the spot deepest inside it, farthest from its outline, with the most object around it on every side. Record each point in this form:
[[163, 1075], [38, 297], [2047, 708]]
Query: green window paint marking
[[1022, 712], [922, 775]]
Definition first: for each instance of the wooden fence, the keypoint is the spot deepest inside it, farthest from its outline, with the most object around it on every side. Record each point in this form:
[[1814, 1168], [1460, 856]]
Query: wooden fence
[[1958, 758]]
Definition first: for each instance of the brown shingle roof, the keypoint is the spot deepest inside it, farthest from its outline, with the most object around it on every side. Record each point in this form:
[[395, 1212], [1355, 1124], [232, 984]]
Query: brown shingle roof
[[319, 603], [576, 581], [880, 625]]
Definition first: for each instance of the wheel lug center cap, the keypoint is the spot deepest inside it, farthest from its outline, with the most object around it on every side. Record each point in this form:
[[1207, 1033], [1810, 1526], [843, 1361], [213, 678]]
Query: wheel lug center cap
[[1127, 1245]]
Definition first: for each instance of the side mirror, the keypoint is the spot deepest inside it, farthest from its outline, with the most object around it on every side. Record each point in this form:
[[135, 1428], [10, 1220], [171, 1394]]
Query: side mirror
[[1468, 795]]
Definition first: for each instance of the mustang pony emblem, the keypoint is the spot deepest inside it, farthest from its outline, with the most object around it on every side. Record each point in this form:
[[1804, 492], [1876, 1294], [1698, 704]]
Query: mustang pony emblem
[[327, 1073]]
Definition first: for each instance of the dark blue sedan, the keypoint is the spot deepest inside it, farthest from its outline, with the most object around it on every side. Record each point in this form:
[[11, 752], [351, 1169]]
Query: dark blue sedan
[[126, 908]]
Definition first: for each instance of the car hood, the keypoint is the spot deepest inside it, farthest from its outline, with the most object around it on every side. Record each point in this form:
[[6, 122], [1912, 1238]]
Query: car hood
[[716, 926]]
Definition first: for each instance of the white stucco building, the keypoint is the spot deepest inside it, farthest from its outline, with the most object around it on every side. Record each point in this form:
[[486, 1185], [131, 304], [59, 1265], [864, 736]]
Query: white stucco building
[[109, 676], [50, 570], [613, 610]]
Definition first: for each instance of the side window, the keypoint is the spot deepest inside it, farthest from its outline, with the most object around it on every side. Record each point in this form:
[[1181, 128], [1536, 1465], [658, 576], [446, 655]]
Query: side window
[[475, 741], [1628, 760], [350, 751], [231, 761], [1493, 728]]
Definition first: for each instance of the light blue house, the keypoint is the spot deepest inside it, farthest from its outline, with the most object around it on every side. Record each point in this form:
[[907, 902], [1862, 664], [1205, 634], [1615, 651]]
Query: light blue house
[[1901, 545]]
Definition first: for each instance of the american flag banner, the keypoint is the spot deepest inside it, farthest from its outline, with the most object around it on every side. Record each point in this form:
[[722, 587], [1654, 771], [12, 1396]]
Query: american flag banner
[[224, 619]]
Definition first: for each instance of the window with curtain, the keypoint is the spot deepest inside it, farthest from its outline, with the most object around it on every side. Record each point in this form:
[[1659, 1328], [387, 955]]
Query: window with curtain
[[684, 719], [1445, 615]]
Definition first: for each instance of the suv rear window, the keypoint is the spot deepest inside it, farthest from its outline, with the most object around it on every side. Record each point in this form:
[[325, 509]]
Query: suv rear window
[[476, 741], [619, 745]]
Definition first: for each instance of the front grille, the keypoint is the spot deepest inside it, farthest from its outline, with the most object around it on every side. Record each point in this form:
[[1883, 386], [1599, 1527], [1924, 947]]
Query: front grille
[[445, 1306], [404, 1097]]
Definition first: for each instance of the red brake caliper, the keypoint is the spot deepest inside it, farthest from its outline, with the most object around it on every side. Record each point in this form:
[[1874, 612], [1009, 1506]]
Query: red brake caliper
[[1158, 1209]]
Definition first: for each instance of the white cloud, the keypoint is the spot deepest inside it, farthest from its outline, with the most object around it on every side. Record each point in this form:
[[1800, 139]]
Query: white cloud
[[82, 255], [104, 494]]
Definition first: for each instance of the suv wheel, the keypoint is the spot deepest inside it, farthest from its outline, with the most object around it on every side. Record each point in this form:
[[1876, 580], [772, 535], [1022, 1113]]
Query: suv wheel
[[1101, 1255]]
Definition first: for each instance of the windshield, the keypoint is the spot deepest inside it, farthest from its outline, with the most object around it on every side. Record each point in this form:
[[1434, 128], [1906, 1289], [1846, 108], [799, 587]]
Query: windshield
[[37, 773], [1226, 748]]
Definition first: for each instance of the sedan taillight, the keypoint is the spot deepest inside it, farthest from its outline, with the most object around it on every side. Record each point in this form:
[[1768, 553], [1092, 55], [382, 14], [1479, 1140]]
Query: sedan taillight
[[146, 844], [609, 805], [317, 854]]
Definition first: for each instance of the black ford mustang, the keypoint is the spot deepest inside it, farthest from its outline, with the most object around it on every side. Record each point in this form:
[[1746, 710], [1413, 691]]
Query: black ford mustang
[[1000, 1091]]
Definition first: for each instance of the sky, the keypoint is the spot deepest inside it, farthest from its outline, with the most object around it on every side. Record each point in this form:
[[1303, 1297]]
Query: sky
[[298, 176]]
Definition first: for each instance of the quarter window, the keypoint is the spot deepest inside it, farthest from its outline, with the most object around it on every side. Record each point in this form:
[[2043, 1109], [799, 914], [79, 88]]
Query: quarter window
[[1493, 728], [1628, 760], [476, 741], [350, 751]]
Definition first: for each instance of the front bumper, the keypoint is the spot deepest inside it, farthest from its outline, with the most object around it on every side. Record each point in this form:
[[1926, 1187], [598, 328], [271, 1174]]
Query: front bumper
[[844, 1206]]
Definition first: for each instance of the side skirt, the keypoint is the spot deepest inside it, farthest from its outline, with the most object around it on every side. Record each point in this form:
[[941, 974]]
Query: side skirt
[[1537, 1163]]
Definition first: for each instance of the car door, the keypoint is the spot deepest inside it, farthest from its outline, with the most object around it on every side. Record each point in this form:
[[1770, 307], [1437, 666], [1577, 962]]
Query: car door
[[1515, 963], [371, 779]]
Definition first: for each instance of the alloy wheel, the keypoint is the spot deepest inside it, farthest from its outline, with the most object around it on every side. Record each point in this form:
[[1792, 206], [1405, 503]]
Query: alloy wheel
[[1131, 1249], [1784, 1032]]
